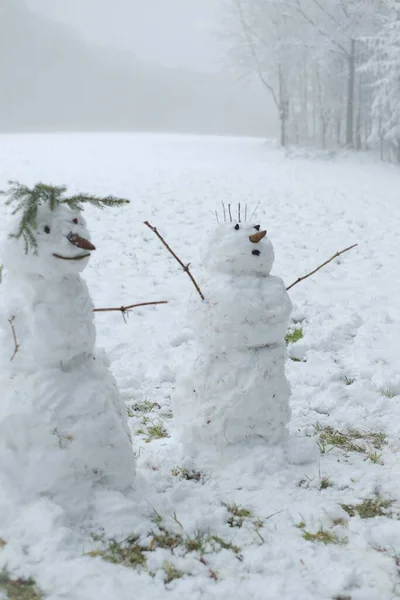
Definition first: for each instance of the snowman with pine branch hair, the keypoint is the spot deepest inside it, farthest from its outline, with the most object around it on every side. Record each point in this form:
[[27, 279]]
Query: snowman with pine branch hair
[[63, 425]]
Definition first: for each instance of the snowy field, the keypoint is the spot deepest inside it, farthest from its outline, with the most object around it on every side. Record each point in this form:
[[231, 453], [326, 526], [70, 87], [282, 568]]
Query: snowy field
[[256, 528]]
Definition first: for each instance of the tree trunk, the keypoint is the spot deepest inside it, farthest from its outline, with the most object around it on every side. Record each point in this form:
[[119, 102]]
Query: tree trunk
[[350, 96], [283, 117]]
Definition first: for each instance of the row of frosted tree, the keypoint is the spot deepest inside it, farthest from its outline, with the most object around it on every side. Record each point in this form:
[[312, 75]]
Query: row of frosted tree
[[332, 68]]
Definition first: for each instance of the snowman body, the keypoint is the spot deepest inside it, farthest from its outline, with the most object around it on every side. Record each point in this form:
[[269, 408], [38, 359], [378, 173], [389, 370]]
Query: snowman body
[[236, 390], [63, 426]]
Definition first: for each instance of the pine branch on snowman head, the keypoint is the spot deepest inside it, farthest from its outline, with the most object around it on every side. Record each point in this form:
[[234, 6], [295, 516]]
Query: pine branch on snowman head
[[27, 201]]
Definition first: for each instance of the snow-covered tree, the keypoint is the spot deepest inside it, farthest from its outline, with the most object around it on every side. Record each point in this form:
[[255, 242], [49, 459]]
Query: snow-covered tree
[[308, 54], [384, 67]]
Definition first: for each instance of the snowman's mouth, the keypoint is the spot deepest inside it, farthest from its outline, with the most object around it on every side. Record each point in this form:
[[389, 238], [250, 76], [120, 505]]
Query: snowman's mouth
[[79, 242], [79, 257]]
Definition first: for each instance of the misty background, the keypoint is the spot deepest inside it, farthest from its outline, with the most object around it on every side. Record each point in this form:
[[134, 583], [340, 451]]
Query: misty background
[[123, 65]]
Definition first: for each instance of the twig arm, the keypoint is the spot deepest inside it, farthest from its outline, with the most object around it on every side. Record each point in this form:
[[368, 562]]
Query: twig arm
[[184, 267], [124, 309], [16, 345], [321, 266]]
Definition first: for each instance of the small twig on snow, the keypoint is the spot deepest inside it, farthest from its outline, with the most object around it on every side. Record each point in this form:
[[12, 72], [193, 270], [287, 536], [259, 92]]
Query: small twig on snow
[[16, 345], [320, 266], [184, 267]]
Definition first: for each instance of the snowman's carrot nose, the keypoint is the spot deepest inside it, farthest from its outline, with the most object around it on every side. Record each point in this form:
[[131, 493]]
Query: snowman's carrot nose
[[257, 237], [80, 242]]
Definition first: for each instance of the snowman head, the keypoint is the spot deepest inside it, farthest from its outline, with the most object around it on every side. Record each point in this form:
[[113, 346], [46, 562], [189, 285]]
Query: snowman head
[[63, 245], [239, 249]]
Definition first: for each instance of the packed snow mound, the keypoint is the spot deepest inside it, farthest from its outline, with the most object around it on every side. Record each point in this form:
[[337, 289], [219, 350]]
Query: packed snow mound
[[63, 425]]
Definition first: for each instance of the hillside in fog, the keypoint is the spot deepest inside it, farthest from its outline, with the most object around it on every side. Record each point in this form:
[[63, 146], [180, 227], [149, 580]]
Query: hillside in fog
[[52, 80]]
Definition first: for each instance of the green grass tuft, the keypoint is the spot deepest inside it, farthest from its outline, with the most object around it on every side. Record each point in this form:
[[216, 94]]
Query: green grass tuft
[[188, 475], [134, 410], [19, 589], [369, 508], [128, 553], [171, 572], [349, 440], [348, 380], [321, 536], [237, 514], [325, 482], [389, 393], [154, 431], [294, 335], [375, 458]]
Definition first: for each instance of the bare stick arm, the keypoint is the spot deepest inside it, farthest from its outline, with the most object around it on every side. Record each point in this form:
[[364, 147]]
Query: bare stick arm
[[124, 309], [16, 345], [184, 267], [320, 266]]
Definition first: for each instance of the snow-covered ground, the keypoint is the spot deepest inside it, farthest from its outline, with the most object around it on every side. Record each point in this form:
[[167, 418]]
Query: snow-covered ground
[[253, 528]]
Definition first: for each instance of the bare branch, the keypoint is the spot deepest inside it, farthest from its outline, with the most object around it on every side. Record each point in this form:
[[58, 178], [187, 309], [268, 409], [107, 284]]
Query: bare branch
[[124, 309], [310, 21], [184, 267], [320, 267], [248, 33], [16, 345]]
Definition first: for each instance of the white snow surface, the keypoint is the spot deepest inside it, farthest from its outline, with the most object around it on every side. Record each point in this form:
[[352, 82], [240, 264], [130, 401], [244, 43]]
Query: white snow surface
[[351, 324]]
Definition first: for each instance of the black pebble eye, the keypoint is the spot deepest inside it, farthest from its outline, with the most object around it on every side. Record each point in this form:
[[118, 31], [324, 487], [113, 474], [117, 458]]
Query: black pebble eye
[[75, 221], [237, 227], [47, 229], [257, 227], [256, 252]]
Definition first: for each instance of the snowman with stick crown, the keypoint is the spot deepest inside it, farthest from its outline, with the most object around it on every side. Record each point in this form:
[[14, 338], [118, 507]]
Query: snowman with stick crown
[[63, 425], [236, 391]]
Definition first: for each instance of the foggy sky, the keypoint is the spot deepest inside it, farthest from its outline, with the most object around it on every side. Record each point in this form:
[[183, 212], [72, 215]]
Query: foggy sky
[[123, 65], [175, 33]]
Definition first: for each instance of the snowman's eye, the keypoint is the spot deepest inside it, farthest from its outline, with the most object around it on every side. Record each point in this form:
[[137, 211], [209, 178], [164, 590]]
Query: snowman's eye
[[257, 227], [237, 227], [75, 221], [47, 229]]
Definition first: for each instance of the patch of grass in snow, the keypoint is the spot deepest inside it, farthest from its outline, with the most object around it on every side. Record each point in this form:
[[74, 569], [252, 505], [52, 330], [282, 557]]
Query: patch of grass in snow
[[2, 543], [171, 572], [375, 458], [188, 474], [340, 597], [369, 508], [19, 589], [133, 553], [322, 536], [128, 553], [349, 440], [152, 431], [388, 392], [339, 522], [348, 380], [146, 406], [324, 482], [237, 514], [294, 335]]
